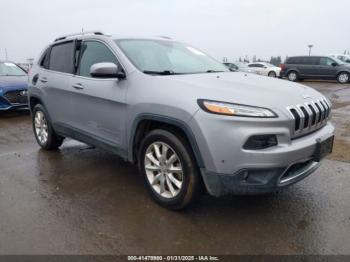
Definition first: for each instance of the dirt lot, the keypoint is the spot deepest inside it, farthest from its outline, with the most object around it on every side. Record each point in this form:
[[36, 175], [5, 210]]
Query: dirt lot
[[81, 200]]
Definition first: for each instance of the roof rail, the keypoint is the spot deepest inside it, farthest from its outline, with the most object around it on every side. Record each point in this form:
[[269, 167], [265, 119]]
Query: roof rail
[[80, 34]]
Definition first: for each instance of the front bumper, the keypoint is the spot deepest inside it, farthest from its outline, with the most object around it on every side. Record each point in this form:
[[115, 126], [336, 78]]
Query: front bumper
[[5, 104], [257, 181], [228, 168]]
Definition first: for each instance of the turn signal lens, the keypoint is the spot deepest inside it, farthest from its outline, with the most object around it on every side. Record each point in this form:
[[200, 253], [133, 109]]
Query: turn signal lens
[[220, 109]]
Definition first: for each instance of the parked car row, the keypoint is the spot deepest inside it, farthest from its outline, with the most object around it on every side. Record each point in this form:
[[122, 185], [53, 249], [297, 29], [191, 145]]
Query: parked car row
[[13, 78], [260, 68], [298, 68]]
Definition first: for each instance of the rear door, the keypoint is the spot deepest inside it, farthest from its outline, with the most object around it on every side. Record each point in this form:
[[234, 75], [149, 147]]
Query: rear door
[[310, 66], [54, 77], [98, 103]]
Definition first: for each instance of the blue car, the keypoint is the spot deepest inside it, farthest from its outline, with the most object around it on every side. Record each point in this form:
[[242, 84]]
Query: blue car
[[13, 86]]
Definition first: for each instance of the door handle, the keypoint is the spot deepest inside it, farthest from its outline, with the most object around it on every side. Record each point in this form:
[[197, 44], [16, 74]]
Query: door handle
[[43, 80], [78, 86]]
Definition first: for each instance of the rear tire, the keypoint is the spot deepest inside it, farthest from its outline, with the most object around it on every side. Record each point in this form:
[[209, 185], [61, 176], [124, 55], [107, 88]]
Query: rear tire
[[169, 170], [343, 78], [43, 131], [293, 76]]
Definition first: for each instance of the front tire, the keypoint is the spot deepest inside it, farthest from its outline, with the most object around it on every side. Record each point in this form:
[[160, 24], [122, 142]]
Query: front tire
[[272, 74], [169, 169], [343, 78], [293, 76], [43, 131]]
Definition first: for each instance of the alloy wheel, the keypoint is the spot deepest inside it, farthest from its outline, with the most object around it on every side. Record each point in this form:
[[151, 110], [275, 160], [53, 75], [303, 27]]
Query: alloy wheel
[[292, 76], [163, 170], [343, 78], [41, 128]]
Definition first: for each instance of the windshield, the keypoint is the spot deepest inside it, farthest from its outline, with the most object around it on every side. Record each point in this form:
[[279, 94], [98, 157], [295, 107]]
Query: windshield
[[340, 62], [10, 69], [241, 64], [168, 57]]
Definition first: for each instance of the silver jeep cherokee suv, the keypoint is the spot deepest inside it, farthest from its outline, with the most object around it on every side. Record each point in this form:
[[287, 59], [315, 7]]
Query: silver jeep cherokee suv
[[183, 117]]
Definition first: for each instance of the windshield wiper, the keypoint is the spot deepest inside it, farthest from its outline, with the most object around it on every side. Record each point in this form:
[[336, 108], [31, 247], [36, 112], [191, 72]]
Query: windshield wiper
[[214, 71], [165, 72]]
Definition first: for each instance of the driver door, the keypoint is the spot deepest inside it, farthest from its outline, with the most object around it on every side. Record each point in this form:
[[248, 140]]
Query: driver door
[[98, 103]]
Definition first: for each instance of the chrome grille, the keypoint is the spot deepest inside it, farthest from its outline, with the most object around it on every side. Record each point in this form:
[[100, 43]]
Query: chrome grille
[[309, 116]]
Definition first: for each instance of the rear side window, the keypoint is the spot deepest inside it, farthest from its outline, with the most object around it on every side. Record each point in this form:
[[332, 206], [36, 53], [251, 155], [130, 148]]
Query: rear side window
[[93, 52], [44, 62], [295, 60], [62, 58], [255, 65], [292, 60], [311, 60], [303, 60]]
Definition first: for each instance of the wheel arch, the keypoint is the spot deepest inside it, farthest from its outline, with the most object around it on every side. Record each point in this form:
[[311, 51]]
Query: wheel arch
[[147, 122], [33, 101], [343, 71]]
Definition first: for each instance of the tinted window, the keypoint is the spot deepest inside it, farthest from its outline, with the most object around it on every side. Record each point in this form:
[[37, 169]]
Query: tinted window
[[326, 61], [311, 60], [295, 60], [255, 65], [93, 52], [62, 58], [45, 59]]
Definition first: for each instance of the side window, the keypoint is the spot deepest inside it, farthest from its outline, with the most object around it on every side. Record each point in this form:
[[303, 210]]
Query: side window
[[44, 62], [326, 61], [292, 60], [311, 60], [253, 65], [62, 58], [93, 52]]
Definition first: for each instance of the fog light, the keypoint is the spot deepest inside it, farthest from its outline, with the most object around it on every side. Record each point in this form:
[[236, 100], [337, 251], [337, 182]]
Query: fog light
[[260, 142]]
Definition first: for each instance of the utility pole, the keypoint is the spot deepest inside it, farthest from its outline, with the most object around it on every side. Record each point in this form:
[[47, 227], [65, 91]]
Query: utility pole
[[6, 58], [310, 46]]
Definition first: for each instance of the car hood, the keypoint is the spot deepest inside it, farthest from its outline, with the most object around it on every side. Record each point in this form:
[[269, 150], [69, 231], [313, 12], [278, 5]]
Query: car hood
[[10, 83], [244, 88]]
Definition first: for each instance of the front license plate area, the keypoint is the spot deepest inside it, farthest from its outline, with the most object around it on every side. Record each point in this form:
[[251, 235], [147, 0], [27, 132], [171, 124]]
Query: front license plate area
[[323, 148]]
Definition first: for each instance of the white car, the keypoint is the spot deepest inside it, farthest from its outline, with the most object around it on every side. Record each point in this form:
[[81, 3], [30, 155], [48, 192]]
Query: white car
[[344, 58], [265, 69], [240, 66]]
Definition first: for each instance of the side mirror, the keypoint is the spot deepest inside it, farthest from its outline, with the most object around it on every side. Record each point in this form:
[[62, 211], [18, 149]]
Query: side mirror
[[106, 70], [334, 64]]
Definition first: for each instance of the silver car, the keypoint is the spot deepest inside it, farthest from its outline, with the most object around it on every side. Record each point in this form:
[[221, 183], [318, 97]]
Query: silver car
[[180, 115]]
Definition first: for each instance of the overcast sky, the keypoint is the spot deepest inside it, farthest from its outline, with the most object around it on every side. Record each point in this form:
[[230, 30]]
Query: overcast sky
[[222, 28]]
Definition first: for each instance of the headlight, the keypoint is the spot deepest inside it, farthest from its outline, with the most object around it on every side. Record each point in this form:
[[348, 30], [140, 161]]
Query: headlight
[[224, 108]]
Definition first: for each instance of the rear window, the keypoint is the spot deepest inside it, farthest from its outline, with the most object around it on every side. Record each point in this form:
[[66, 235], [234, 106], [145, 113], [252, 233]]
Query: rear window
[[62, 57]]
